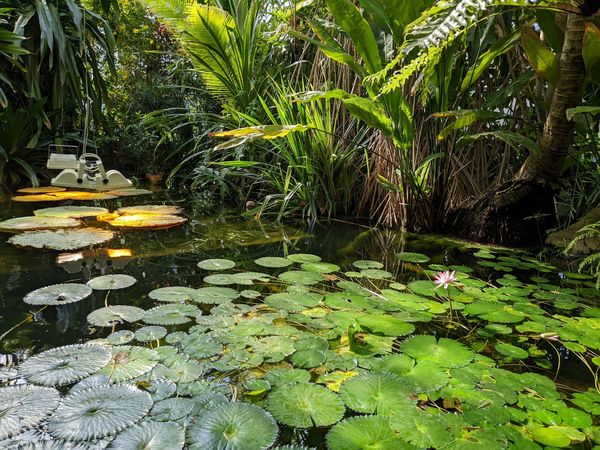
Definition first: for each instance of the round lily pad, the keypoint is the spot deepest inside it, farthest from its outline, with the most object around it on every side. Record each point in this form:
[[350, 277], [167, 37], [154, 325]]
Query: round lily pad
[[41, 190], [320, 267], [172, 294], [150, 435], [128, 362], [58, 294], [83, 195], [301, 277], [445, 352], [215, 295], [74, 212], [233, 426], [280, 376], [171, 409], [99, 411], [304, 405], [308, 358], [303, 257], [34, 198], [24, 406], [120, 337], [381, 393], [511, 351], [367, 264], [129, 192], [64, 365], [147, 221], [34, 223], [171, 314], [70, 239], [274, 262], [366, 432], [113, 315], [412, 257], [151, 209], [150, 333], [111, 282], [216, 264]]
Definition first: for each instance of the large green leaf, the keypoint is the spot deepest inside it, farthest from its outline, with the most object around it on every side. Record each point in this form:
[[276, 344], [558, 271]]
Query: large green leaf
[[540, 56], [365, 432], [381, 393], [445, 352]]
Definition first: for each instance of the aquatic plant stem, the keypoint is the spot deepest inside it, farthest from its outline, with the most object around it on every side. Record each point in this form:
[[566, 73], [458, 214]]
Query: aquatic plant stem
[[27, 319], [106, 299]]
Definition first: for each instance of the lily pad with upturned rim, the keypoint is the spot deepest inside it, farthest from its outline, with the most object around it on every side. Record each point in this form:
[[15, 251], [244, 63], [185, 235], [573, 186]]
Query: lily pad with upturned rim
[[83, 195], [41, 190], [111, 282], [147, 221], [99, 411], [25, 406], [74, 212], [151, 209], [304, 405], [58, 294], [36, 223], [34, 198], [112, 315], [235, 426], [64, 365], [69, 239], [129, 192]]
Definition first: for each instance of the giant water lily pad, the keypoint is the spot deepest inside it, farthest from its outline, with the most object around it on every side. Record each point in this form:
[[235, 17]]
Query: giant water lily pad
[[41, 190], [71, 239], [111, 282], [112, 315], [65, 365], [366, 432], [233, 426], [58, 294], [34, 198], [151, 209], [304, 405], [83, 195], [147, 221], [74, 212], [22, 407], [99, 411], [381, 393], [128, 362], [445, 352], [150, 435], [34, 223], [129, 192]]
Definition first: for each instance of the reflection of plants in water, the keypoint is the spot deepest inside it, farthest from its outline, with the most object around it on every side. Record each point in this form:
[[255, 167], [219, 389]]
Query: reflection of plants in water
[[302, 343]]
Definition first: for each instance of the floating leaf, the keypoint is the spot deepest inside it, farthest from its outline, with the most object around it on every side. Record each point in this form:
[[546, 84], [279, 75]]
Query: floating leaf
[[170, 314], [129, 192], [367, 264], [412, 257], [58, 294], [281, 376], [301, 277], [293, 302], [320, 267], [71, 239], [381, 393], [150, 435], [111, 282], [421, 429], [120, 337], [170, 210], [273, 262], [511, 351], [376, 274], [216, 264], [97, 412], [74, 212], [147, 221], [445, 352], [113, 315], [34, 223], [129, 362], [303, 258], [215, 295], [83, 195], [366, 432], [171, 409], [233, 426], [173, 294], [150, 333], [23, 407], [309, 358], [35, 198], [41, 190], [384, 324], [556, 436], [64, 365], [304, 405]]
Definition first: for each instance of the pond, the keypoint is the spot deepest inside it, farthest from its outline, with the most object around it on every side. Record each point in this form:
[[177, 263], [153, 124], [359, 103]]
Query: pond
[[232, 333]]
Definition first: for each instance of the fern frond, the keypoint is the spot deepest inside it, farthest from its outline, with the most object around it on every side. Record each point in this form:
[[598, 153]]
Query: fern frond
[[591, 262]]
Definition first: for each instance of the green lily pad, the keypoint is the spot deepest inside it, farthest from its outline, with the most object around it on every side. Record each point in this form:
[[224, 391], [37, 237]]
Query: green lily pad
[[233, 426], [172, 294], [301, 277], [215, 295], [171, 409], [511, 351], [412, 257], [304, 405], [111, 282], [150, 333], [557, 436], [113, 315], [384, 324], [70, 239], [58, 294], [308, 358], [151, 209], [320, 267], [150, 435], [73, 212], [376, 274], [34, 223], [99, 411], [171, 314], [422, 429], [274, 262], [129, 362], [216, 264], [367, 264], [25, 406], [303, 258], [366, 432], [381, 393], [120, 337], [293, 302], [445, 352], [281, 376], [64, 365]]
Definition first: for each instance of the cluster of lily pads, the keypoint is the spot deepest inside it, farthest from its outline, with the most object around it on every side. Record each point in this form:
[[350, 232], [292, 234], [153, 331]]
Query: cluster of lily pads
[[250, 358], [63, 227]]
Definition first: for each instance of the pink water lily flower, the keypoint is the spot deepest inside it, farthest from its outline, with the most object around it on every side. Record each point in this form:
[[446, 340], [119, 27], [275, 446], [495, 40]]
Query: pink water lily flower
[[445, 279]]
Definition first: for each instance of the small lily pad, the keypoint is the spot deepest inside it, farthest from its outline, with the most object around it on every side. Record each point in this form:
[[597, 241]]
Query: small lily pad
[[113, 315], [303, 258], [129, 192], [120, 337], [274, 262], [41, 190], [412, 257], [305, 405], [172, 294], [320, 267], [58, 294], [511, 351], [445, 352], [301, 277], [215, 295], [170, 314], [150, 333], [381, 393], [367, 264], [147, 221], [216, 264], [111, 282]]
